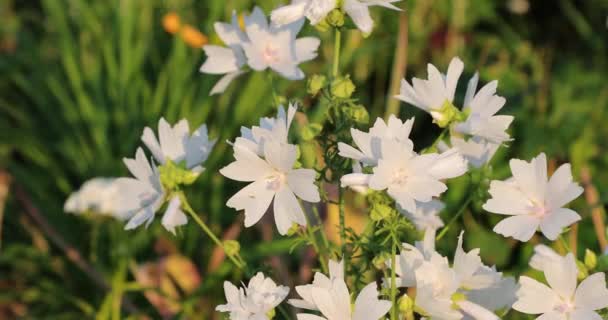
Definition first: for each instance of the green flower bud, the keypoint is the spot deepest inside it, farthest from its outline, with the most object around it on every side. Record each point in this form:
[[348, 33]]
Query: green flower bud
[[582, 270], [380, 260], [380, 212], [322, 26], [315, 84], [270, 314], [293, 230], [406, 305], [590, 259], [335, 18], [359, 114], [173, 175], [342, 87], [311, 131], [232, 247], [446, 114]]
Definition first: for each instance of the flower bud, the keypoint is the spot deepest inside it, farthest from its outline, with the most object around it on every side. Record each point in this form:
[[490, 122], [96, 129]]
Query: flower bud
[[232, 247], [446, 114], [311, 131], [342, 87], [406, 305], [590, 259], [293, 230], [335, 18], [582, 270], [380, 212], [315, 84], [380, 260], [270, 314], [359, 114], [173, 175]]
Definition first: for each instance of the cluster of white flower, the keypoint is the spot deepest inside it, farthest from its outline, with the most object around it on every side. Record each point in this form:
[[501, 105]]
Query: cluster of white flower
[[408, 177], [468, 287], [264, 157], [384, 161], [260, 46]]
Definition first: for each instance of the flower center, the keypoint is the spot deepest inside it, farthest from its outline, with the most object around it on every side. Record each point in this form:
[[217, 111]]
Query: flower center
[[400, 177], [565, 307], [540, 210], [271, 53], [276, 181]]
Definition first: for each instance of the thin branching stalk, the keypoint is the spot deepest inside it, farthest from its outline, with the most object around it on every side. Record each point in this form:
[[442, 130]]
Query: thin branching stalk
[[235, 258]]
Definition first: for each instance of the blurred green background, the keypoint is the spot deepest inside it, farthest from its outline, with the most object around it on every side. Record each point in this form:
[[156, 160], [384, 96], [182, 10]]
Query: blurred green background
[[81, 79]]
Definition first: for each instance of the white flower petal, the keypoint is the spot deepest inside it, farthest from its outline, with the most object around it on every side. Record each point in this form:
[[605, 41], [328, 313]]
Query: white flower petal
[[302, 183], [287, 210], [534, 297], [592, 293], [520, 227]]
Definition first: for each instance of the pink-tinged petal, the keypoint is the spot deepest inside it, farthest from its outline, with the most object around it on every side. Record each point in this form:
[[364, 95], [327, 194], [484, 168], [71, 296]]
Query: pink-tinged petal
[[255, 199], [592, 293], [561, 188], [287, 211], [520, 227], [531, 177], [534, 297], [585, 314], [506, 199], [553, 224], [561, 276], [302, 183]]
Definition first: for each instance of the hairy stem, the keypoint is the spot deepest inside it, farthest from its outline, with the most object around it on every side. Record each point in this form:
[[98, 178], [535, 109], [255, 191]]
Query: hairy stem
[[460, 212], [342, 225]]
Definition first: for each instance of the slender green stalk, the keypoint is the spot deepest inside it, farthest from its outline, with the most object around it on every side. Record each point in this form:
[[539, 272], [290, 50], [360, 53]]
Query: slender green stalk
[[313, 238], [394, 281], [461, 211], [315, 210], [564, 243], [342, 225], [235, 258], [275, 100], [337, 44]]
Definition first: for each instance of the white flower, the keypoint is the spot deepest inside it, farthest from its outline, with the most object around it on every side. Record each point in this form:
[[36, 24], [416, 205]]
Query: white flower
[[275, 129], [534, 201], [410, 178], [334, 303], [543, 256], [370, 143], [336, 271], [317, 10], [271, 178], [139, 198], [254, 301], [482, 107], [260, 47], [314, 10], [97, 195], [426, 215], [431, 95], [178, 145], [562, 300], [475, 150]]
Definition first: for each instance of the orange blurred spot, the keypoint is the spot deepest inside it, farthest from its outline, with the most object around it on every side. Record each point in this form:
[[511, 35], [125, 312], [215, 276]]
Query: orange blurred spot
[[171, 22], [193, 37]]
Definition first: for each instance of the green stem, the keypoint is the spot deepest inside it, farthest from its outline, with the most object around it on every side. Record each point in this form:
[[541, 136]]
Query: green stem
[[315, 210], [313, 239], [236, 259], [342, 225], [564, 243], [394, 281], [461, 211], [275, 100], [337, 44]]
